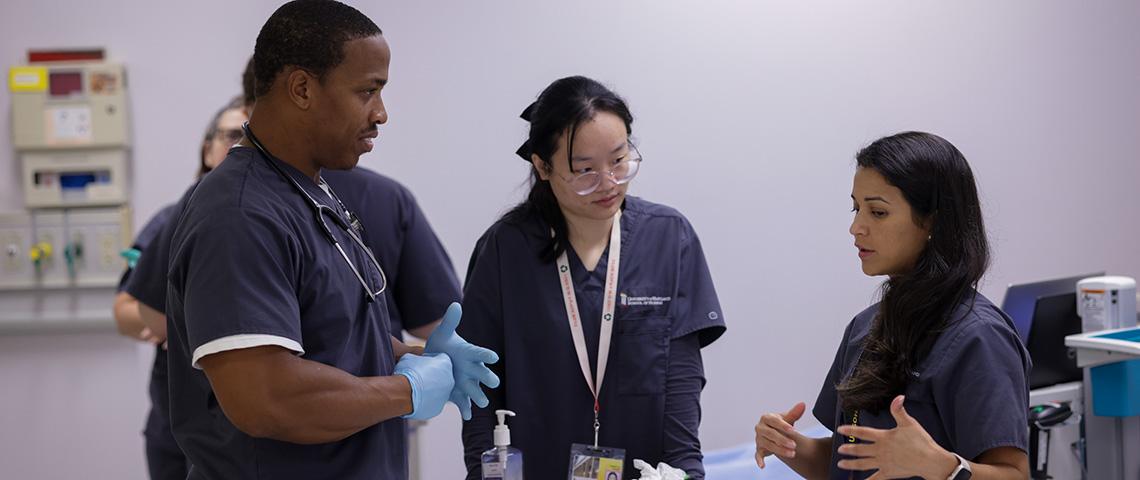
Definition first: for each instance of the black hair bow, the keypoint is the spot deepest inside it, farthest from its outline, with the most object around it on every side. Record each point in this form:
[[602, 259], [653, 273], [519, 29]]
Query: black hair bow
[[524, 150]]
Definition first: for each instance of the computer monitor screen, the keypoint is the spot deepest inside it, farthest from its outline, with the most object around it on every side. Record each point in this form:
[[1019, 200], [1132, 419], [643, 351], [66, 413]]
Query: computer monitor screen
[[1020, 298], [1054, 317]]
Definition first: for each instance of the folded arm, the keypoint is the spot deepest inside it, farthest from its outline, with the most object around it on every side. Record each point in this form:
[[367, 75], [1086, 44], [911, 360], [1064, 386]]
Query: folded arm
[[127, 317], [154, 321]]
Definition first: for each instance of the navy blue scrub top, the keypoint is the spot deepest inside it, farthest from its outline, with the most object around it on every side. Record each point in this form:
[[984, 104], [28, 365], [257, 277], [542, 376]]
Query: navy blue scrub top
[[164, 458], [971, 393], [157, 431], [650, 398], [145, 239], [249, 258], [147, 282], [422, 279]]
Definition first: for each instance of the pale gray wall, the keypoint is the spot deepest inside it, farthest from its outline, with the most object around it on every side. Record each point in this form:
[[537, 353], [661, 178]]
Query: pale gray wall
[[748, 114]]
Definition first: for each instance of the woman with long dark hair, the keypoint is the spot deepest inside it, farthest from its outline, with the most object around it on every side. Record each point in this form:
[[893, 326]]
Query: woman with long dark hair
[[932, 381], [545, 289]]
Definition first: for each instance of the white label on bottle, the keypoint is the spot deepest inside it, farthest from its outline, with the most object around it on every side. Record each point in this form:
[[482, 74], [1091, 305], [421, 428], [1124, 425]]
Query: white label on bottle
[[1091, 306], [493, 471]]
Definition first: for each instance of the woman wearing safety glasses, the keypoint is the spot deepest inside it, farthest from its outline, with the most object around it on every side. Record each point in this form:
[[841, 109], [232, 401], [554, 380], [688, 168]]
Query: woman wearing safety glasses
[[580, 276]]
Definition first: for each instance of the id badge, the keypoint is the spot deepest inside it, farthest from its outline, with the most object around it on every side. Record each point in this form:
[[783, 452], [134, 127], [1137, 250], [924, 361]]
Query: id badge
[[589, 463]]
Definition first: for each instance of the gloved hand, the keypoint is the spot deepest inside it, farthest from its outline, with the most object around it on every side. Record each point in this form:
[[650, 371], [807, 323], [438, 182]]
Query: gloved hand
[[430, 377], [468, 362]]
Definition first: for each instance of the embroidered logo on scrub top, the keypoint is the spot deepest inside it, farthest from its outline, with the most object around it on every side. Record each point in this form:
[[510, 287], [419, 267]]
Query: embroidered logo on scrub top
[[631, 301]]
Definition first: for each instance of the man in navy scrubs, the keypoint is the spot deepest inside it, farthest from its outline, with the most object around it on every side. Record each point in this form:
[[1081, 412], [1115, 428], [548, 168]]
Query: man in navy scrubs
[[395, 228], [423, 281], [282, 360]]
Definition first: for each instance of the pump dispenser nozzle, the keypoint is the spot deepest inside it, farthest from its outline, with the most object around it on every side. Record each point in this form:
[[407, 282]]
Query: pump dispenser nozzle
[[503, 462], [502, 433]]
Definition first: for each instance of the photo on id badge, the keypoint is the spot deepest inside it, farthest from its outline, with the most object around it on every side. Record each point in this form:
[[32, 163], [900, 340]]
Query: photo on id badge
[[589, 463]]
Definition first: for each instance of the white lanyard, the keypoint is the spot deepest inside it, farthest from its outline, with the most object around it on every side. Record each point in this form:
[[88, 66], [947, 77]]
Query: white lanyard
[[573, 316]]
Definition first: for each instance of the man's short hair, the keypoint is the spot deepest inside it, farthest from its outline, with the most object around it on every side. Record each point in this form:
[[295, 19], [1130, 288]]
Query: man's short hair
[[247, 84], [309, 35]]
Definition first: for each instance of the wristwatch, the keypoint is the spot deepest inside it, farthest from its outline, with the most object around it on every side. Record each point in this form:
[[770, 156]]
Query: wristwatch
[[962, 471]]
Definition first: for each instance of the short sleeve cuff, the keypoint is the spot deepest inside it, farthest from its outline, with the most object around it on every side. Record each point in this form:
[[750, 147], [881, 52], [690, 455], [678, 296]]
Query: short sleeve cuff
[[238, 342], [707, 332]]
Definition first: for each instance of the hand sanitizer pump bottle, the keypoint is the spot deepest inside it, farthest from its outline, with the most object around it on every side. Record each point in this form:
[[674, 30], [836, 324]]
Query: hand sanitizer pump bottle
[[503, 462]]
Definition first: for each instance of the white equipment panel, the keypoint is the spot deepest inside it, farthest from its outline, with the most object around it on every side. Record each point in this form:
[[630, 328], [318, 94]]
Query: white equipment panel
[[70, 128]]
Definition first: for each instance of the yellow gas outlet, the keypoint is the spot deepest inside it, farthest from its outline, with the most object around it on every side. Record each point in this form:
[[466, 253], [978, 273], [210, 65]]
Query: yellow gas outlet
[[41, 253]]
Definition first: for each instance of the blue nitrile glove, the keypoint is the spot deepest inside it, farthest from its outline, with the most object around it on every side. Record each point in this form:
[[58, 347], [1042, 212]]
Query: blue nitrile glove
[[430, 377], [468, 362]]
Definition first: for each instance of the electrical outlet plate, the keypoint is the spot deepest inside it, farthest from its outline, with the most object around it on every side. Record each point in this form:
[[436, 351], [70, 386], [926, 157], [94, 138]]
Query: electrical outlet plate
[[11, 253]]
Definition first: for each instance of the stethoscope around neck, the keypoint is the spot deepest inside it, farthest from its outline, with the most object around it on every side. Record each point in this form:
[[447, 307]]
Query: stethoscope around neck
[[351, 226]]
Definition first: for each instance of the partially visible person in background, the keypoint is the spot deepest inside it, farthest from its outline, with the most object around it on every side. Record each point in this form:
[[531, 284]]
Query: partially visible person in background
[[164, 459]]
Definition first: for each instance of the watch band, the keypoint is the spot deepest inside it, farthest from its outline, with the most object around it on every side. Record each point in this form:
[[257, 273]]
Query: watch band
[[962, 471]]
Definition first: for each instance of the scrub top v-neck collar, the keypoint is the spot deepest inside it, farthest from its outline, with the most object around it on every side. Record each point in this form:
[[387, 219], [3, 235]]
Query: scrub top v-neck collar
[[320, 192], [588, 283]]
